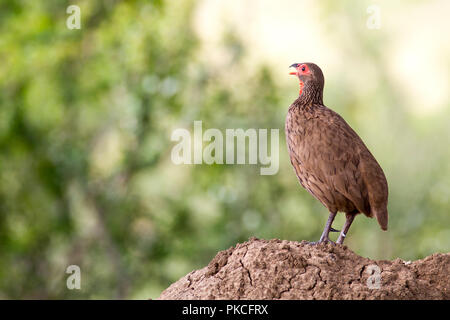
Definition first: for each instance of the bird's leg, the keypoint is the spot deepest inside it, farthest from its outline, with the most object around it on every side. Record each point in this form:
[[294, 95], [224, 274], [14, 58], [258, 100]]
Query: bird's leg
[[326, 231], [348, 222], [324, 237]]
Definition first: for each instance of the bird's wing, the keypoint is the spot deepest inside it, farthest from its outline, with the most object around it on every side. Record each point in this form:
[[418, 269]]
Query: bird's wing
[[328, 149], [377, 187]]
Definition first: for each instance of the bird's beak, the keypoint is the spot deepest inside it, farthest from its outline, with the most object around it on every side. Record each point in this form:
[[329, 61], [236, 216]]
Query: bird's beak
[[294, 65]]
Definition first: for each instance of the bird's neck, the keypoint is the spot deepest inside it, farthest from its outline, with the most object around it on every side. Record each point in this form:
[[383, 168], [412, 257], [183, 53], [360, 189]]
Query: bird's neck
[[309, 94]]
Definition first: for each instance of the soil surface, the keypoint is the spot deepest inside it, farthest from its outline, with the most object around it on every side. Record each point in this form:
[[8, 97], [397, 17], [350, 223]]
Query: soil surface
[[276, 269]]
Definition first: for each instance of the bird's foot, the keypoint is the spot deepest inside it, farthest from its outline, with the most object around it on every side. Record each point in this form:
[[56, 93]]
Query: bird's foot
[[324, 240]]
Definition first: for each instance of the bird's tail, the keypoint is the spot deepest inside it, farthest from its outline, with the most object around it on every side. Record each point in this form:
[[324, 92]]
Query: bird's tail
[[382, 217]]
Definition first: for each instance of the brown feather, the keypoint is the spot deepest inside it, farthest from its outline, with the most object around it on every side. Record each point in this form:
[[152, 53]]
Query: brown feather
[[331, 161]]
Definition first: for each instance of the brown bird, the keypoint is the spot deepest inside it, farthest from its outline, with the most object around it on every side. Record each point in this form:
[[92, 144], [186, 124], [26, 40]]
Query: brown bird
[[330, 159]]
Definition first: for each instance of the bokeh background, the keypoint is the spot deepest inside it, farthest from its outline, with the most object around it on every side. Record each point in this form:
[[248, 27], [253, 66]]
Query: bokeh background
[[86, 117]]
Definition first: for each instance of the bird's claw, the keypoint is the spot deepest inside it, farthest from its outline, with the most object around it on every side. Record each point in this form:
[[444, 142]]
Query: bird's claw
[[326, 240]]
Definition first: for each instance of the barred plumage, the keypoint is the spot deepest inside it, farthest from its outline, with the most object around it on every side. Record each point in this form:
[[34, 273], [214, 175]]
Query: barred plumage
[[330, 159]]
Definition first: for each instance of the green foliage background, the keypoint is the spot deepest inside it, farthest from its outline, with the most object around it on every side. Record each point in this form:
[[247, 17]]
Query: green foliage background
[[86, 176]]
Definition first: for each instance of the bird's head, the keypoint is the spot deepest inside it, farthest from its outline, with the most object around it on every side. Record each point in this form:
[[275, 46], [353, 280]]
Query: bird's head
[[310, 77]]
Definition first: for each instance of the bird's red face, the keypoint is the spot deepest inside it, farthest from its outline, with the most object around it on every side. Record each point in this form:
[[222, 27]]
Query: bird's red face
[[301, 71]]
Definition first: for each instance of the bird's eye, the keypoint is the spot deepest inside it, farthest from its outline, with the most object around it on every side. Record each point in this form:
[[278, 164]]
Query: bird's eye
[[303, 68]]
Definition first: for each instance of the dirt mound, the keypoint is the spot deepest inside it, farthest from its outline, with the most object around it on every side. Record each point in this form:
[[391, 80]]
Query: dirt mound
[[275, 269]]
